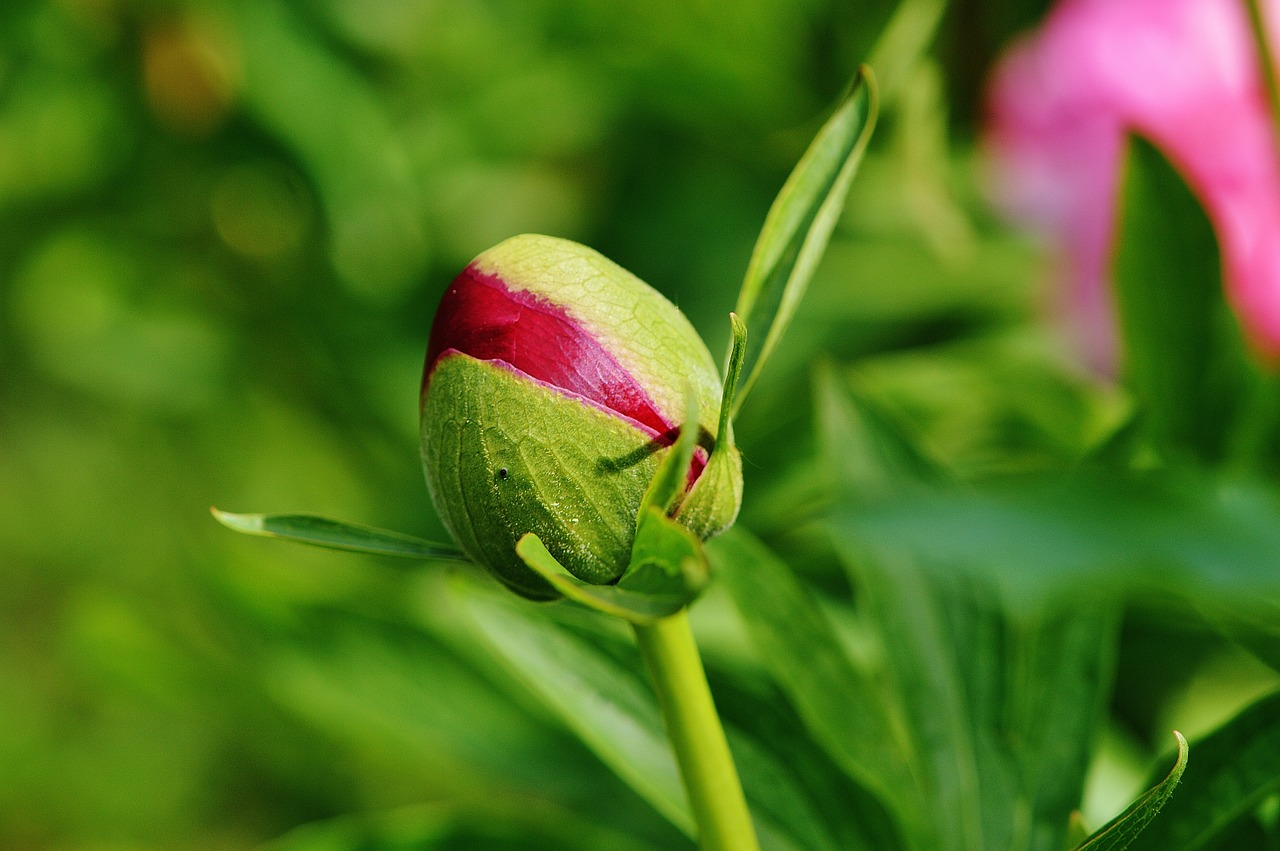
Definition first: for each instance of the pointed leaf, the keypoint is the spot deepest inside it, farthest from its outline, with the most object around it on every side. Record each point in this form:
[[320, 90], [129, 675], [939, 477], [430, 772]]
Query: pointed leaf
[[1235, 771], [1121, 831], [336, 535], [800, 222], [1184, 352]]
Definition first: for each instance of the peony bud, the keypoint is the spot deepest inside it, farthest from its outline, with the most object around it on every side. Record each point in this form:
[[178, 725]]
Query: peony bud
[[1182, 73], [555, 382]]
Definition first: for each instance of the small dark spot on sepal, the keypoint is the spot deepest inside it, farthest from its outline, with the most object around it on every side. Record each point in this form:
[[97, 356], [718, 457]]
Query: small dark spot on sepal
[[502, 473]]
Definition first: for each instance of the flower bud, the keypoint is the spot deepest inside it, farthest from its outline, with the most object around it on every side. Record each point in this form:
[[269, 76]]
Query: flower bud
[[555, 383]]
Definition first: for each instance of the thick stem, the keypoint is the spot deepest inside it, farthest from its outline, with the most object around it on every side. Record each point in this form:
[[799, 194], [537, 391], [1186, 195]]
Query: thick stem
[[710, 779]]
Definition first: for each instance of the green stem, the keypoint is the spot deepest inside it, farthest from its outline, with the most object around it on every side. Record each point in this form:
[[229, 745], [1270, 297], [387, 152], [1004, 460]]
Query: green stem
[[1267, 59], [710, 779]]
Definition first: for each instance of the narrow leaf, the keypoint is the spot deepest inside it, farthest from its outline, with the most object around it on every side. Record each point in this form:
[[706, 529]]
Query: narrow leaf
[[1121, 831], [800, 222], [336, 535], [1036, 535], [1235, 771]]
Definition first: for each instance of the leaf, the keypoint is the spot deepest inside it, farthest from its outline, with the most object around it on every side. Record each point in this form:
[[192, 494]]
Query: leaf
[[336, 535], [609, 708], [971, 674], [842, 707], [595, 687], [1060, 677], [1121, 831], [1184, 353], [1235, 770], [800, 222], [1036, 535]]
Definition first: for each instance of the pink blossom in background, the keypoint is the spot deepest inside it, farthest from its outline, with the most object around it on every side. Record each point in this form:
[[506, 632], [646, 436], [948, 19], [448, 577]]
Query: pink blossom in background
[[1183, 73]]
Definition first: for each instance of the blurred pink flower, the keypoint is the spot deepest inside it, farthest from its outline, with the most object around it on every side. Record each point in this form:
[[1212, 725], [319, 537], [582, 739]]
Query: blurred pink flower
[[1183, 73]]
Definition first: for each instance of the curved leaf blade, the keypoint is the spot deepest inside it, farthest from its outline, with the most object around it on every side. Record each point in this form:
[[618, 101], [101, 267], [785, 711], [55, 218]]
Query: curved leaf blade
[[336, 535], [1235, 771], [800, 222], [1121, 831]]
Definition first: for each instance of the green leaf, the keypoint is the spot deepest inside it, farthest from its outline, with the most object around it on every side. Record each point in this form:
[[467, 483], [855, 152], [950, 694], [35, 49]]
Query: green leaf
[[1121, 831], [1235, 771], [606, 706], [1184, 353], [800, 222], [1060, 668], [1037, 535], [970, 673], [595, 686], [336, 535], [841, 705]]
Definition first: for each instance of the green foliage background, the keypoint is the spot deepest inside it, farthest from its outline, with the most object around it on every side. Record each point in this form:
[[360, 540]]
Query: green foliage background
[[223, 230]]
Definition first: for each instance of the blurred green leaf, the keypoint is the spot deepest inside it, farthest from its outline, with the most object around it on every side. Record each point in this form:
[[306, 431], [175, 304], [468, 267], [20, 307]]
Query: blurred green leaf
[[610, 707], [800, 222], [1184, 352], [1001, 705], [843, 707], [443, 827], [1121, 832], [336, 535], [1235, 770], [1035, 535]]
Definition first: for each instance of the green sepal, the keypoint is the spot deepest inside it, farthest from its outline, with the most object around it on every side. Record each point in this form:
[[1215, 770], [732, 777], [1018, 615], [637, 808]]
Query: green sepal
[[666, 559], [657, 588], [668, 483], [337, 535], [712, 505], [732, 375]]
